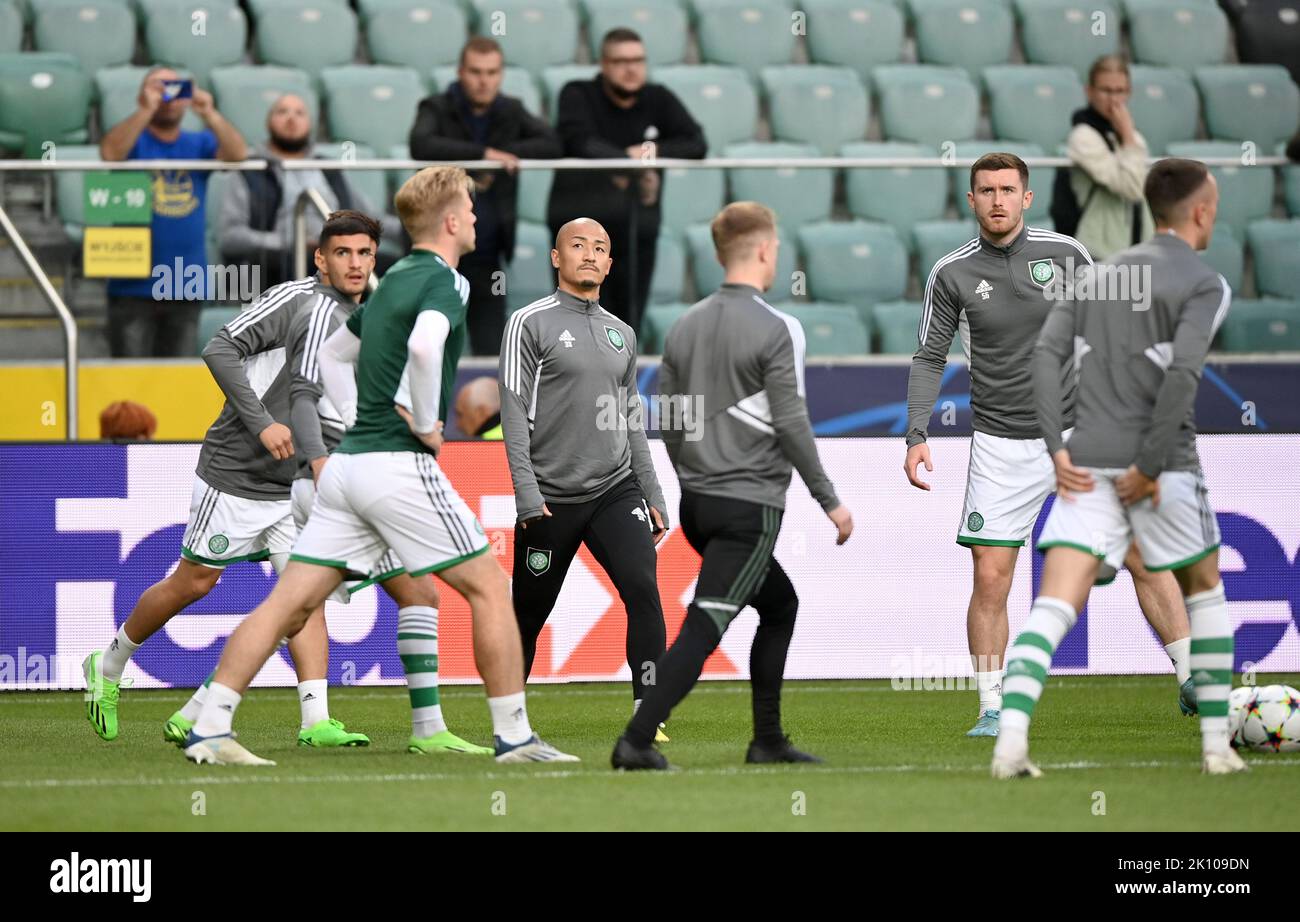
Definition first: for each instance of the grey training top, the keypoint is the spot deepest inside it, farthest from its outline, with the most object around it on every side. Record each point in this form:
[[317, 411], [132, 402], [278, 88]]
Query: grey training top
[[997, 295], [571, 412], [1137, 369], [248, 359], [317, 425], [737, 364]]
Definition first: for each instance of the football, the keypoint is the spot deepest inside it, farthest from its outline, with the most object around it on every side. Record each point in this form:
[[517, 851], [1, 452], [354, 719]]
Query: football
[[1266, 719]]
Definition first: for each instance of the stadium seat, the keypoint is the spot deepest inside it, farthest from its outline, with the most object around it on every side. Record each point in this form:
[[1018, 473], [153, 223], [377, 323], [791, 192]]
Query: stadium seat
[[861, 34], [1267, 32], [147, 9], [798, 196], [517, 82], [669, 277], [245, 94], [1264, 325], [707, 274], [373, 184], [310, 36], [1040, 178], [99, 33], [751, 34], [371, 103], [897, 326], [11, 27], [816, 104], [44, 97], [971, 34], [1290, 185], [1164, 106], [529, 275], [1061, 32], [853, 262], [721, 99], [660, 23], [69, 189], [936, 239], [534, 194], [926, 105], [1245, 193], [170, 39], [1177, 33], [538, 33], [118, 91], [658, 320], [1249, 102], [691, 197], [830, 330], [555, 79], [417, 34], [211, 319], [898, 196], [1033, 103], [1226, 256], [1275, 248]]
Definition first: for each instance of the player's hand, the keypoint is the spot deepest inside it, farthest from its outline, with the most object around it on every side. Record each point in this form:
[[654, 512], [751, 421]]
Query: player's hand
[[317, 465], [278, 440], [431, 440], [507, 159], [1070, 479], [1133, 486], [917, 454], [657, 529], [843, 520], [203, 106], [545, 514]]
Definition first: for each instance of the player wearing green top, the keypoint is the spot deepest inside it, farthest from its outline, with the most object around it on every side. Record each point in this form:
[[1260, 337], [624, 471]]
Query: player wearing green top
[[382, 488]]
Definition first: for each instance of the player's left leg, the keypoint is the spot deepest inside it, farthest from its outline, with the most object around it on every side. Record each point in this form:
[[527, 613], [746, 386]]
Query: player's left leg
[[1161, 602]]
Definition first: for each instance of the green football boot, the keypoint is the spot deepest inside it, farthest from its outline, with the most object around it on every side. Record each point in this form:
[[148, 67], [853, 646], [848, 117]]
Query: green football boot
[[446, 741], [329, 733], [177, 729], [101, 698]]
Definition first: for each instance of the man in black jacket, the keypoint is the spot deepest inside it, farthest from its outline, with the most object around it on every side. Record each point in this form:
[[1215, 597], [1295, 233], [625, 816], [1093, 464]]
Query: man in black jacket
[[473, 120], [619, 114]]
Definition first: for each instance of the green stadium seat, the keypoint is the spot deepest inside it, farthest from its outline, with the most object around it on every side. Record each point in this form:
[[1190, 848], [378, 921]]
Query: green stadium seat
[[707, 273], [1275, 248], [170, 39], [861, 34], [373, 184], [936, 239], [100, 33], [898, 196], [658, 320], [11, 27], [245, 94], [367, 9], [660, 23], [816, 104], [1290, 185], [691, 197], [554, 80], [971, 34], [517, 82], [416, 33], [1249, 102], [1061, 32], [371, 103], [721, 99], [149, 8], [538, 33], [44, 97], [69, 189], [534, 194], [118, 91], [311, 35], [1226, 256], [1263, 325], [853, 262], [1164, 106], [798, 196], [750, 34], [1177, 33], [897, 324], [830, 330], [211, 319], [925, 104], [1040, 178], [529, 275], [669, 277], [1245, 193], [1032, 103]]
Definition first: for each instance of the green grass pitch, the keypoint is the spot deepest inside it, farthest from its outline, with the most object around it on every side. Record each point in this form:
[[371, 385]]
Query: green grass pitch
[[895, 760]]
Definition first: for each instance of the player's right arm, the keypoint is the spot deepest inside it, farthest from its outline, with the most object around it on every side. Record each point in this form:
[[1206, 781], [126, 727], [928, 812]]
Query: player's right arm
[[254, 331], [308, 331], [425, 347], [516, 379], [1054, 348], [671, 430], [338, 359], [939, 315]]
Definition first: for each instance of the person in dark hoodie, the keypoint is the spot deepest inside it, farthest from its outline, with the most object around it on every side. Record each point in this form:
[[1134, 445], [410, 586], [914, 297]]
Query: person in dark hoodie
[[474, 120]]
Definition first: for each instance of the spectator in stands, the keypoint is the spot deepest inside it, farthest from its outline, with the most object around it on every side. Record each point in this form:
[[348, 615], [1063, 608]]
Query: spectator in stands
[[1110, 158], [619, 114], [473, 120], [140, 322], [478, 409], [257, 207], [126, 421]]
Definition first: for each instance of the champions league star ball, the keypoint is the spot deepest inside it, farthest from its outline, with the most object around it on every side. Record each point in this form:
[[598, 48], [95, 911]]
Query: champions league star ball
[[1266, 719]]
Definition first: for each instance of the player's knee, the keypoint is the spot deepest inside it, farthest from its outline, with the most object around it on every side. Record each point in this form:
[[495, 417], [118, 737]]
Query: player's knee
[[195, 581], [779, 613], [992, 578], [419, 591]]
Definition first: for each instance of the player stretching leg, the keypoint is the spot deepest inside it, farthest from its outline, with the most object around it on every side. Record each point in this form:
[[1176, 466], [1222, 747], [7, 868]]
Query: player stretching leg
[[382, 488], [993, 287], [240, 509], [1131, 470]]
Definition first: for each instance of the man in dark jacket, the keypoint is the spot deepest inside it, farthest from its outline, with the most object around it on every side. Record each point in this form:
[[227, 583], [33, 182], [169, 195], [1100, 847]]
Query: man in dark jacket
[[619, 114], [473, 120]]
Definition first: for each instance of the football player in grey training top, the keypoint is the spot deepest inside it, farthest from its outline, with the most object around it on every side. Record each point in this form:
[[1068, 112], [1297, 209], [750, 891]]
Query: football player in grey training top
[[1131, 470], [994, 287]]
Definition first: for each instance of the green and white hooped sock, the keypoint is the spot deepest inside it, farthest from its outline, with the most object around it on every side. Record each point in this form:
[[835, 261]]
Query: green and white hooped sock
[[417, 644], [1028, 662], [1212, 647]]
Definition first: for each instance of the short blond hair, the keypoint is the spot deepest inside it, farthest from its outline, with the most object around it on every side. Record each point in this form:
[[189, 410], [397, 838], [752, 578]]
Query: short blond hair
[[738, 227], [423, 200]]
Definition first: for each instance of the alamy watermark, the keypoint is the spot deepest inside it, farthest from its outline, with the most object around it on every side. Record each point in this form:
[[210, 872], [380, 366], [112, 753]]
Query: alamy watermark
[[196, 282], [663, 412], [1101, 282]]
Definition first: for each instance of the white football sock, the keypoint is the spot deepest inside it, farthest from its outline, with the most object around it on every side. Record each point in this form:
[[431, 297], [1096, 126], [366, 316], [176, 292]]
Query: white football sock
[[218, 712], [1180, 652], [510, 719], [989, 685], [313, 699], [117, 655]]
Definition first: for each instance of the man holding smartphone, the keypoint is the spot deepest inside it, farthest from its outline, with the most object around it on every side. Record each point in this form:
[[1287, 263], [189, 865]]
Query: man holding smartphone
[[572, 417], [157, 317]]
